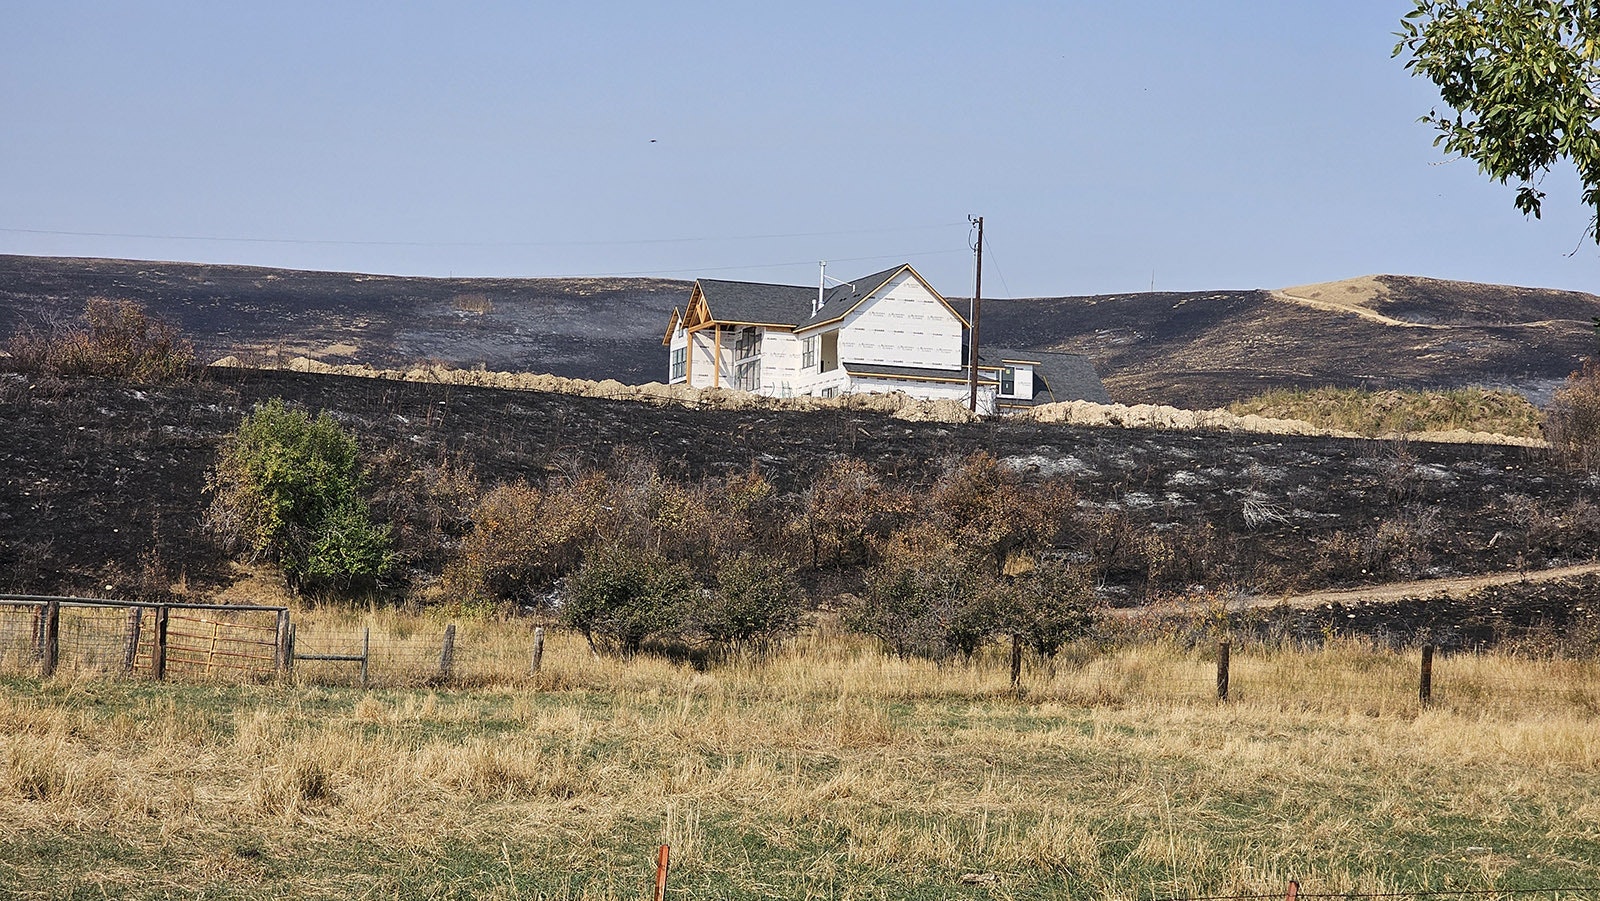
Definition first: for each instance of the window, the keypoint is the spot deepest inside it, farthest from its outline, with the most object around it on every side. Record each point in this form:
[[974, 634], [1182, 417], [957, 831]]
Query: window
[[747, 376], [808, 353], [680, 362], [1008, 380], [748, 344], [830, 391]]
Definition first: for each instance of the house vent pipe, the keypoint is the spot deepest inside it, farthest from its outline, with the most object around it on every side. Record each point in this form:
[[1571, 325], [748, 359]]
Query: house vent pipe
[[822, 284]]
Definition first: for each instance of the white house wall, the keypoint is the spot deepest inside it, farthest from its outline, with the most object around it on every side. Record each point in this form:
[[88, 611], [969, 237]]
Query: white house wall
[[780, 363], [903, 324]]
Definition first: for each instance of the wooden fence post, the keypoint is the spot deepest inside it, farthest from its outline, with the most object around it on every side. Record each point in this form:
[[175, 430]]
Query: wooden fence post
[[447, 657], [158, 651], [366, 652], [52, 639], [662, 856], [130, 653], [1294, 891], [538, 650], [1425, 682], [1223, 650], [285, 656]]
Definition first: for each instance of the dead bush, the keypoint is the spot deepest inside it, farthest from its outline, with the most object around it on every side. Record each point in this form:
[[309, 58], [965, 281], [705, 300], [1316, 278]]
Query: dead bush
[[116, 339], [1572, 420]]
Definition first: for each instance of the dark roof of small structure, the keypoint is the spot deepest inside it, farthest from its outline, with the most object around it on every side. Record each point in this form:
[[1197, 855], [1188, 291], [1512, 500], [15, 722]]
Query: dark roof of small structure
[[1057, 376]]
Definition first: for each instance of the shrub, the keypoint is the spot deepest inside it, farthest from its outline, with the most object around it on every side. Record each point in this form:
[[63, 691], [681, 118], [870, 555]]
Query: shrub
[[923, 600], [506, 557], [286, 488], [622, 596], [1048, 607], [756, 602], [117, 338], [1572, 420]]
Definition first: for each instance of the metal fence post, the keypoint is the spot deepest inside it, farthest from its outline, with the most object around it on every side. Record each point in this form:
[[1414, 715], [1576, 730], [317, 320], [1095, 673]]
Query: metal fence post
[[366, 652]]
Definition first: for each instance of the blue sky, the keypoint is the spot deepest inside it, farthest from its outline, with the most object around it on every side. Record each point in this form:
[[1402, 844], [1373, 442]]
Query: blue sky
[[1199, 145]]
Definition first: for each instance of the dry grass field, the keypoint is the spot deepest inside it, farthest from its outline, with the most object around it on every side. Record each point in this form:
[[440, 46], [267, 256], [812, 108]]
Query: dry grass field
[[828, 771]]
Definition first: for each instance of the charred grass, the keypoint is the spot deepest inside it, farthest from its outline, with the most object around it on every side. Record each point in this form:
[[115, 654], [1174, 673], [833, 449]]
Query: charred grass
[[829, 770]]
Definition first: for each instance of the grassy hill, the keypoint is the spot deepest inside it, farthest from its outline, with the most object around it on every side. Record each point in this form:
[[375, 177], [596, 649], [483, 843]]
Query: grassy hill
[[1194, 349]]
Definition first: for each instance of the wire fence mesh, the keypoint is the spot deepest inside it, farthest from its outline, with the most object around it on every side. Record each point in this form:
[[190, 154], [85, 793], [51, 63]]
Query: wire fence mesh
[[202, 642]]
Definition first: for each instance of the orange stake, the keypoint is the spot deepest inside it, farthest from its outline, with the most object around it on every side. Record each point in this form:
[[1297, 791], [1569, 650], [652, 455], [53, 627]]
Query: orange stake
[[661, 873]]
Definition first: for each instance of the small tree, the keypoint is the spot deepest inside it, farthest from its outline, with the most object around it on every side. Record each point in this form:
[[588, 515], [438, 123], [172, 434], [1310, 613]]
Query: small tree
[[923, 600], [286, 488], [622, 596], [1048, 607], [756, 602]]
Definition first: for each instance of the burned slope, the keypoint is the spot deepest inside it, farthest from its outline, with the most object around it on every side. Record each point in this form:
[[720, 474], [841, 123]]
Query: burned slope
[[581, 328], [102, 484], [1197, 349], [1205, 349]]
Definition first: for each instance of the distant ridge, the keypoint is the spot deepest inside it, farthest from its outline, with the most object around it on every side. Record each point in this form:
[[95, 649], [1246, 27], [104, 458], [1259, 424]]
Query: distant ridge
[[1192, 349]]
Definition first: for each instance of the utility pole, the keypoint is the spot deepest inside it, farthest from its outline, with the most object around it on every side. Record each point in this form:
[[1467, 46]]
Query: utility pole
[[977, 313]]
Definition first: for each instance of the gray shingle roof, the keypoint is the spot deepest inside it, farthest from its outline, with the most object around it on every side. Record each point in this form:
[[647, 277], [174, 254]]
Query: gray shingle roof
[[757, 303], [790, 305], [840, 298]]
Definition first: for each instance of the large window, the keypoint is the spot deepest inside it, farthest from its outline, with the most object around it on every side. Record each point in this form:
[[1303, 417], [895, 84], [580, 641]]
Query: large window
[[748, 344], [680, 362], [1008, 380], [747, 376], [808, 353]]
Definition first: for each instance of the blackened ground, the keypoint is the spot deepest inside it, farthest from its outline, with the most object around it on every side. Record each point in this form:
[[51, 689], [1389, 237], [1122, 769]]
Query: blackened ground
[[103, 483]]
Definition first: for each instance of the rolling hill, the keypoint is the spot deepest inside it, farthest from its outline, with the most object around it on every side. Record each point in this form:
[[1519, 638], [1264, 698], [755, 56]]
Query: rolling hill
[[1195, 349]]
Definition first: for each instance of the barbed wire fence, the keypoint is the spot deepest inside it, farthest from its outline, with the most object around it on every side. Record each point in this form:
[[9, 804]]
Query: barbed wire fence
[[211, 642]]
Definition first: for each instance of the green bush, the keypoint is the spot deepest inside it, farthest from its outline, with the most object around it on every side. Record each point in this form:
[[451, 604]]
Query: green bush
[[620, 596], [756, 603], [287, 488]]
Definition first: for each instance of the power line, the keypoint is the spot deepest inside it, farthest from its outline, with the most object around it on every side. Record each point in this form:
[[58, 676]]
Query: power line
[[342, 243], [807, 263]]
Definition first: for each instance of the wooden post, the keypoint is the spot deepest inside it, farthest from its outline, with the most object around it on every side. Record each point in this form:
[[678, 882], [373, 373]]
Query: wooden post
[[52, 639], [285, 657], [366, 651], [1223, 650], [662, 856], [538, 650], [447, 657], [158, 652], [1016, 661], [130, 653], [1425, 683], [1294, 891]]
